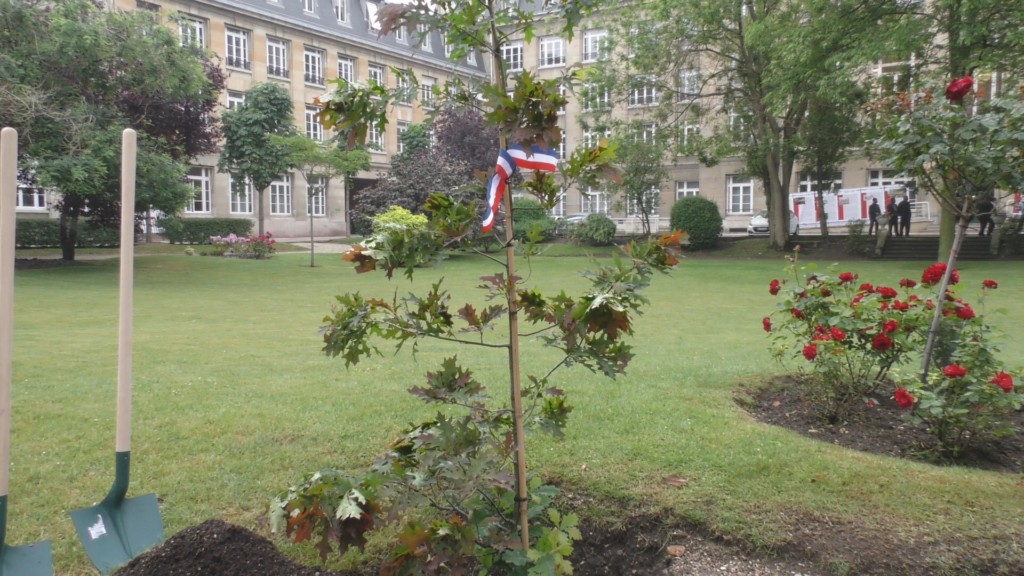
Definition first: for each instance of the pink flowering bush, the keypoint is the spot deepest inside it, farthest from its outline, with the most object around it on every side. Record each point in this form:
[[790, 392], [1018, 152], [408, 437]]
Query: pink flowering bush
[[855, 339], [261, 246]]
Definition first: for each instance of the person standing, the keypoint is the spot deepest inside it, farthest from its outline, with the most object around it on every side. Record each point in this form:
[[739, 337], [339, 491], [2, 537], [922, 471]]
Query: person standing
[[874, 211], [894, 221], [984, 208], [903, 210]]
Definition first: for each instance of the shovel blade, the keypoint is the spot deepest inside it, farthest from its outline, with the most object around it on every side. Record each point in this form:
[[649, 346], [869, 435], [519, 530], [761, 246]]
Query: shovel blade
[[29, 560], [113, 534]]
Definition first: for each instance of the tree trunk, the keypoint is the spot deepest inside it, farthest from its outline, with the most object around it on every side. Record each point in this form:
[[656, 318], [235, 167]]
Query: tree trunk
[[778, 220], [947, 225], [68, 235], [933, 330]]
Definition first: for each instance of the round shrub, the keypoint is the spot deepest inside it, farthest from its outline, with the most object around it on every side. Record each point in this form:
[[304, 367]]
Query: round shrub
[[699, 218], [595, 230], [400, 216], [529, 214]]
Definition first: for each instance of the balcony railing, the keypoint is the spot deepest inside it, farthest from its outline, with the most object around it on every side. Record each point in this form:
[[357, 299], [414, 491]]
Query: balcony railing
[[237, 62], [314, 79], [278, 71]]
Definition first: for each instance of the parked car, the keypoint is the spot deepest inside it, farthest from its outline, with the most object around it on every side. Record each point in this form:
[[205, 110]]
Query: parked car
[[758, 225], [570, 220]]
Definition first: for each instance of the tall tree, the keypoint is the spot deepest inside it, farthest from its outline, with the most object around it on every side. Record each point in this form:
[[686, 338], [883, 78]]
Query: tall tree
[[643, 173], [749, 69], [73, 75], [249, 152], [319, 163]]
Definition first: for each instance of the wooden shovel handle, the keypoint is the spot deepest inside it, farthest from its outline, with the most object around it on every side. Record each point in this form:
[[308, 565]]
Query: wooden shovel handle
[[8, 190], [124, 340]]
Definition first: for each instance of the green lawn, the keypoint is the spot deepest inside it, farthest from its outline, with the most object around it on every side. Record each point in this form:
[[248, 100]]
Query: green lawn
[[233, 401]]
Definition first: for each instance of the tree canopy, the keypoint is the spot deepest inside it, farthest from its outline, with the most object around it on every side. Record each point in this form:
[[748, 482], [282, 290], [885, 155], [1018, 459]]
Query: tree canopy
[[74, 75]]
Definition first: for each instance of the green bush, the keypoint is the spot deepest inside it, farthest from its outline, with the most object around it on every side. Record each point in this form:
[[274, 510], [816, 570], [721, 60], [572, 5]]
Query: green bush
[[400, 216], [199, 230], [530, 216], [595, 230], [45, 233], [699, 218]]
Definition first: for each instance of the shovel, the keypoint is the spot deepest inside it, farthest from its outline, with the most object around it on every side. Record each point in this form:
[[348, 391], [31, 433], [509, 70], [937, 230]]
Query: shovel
[[118, 528], [33, 559]]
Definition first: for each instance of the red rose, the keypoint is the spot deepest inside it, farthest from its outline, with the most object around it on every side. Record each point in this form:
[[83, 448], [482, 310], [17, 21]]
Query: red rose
[[825, 292], [773, 287], [837, 334], [883, 306], [856, 300], [954, 278], [847, 277], [903, 398], [881, 343], [990, 284], [890, 326], [796, 313], [908, 283], [811, 352], [1003, 380], [886, 292], [933, 274], [901, 306], [954, 371], [767, 323], [867, 287], [965, 312], [959, 88]]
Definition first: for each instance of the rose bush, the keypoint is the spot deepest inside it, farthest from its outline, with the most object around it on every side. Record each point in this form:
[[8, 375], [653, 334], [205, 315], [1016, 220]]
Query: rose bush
[[261, 246], [854, 338]]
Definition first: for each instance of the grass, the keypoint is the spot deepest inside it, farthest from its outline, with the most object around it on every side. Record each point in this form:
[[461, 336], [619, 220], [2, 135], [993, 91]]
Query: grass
[[233, 401]]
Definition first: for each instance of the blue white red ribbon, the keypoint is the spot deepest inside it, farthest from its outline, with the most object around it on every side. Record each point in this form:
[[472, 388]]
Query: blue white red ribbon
[[510, 161]]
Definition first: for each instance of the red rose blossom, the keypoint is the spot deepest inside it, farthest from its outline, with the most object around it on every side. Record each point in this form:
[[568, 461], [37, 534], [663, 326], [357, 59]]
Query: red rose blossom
[[881, 343], [773, 287], [959, 88], [847, 277], [796, 313], [1003, 380], [954, 371], [837, 334], [964, 312], [825, 292], [767, 323], [901, 306], [811, 352], [886, 292], [890, 326], [903, 398], [990, 284], [908, 283], [866, 287]]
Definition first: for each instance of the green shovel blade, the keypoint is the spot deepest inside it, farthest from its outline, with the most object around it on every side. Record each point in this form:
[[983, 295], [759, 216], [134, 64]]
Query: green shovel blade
[[118, 528], [30, 560]]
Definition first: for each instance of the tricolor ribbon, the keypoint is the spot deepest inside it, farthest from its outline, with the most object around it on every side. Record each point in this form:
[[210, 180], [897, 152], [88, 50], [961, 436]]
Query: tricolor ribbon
[[509, 162]]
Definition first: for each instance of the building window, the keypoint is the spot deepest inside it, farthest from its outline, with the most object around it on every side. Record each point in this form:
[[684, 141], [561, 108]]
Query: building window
[[893, 179], [277, 57], [309, 6], [346, 68], [236, 52], [313, 66], [741, 194], [592, 138], [646, 133], [558, 210], [595, 45], [241, 200], [193, 32], [512, 55], [471, 58], [316, 194], [371, 16], [552, 51], [596, 97], [644, 91], [281, 197], [235, 99], [341, 11], [650, 204], [808, 185], [738, 129], [314, 129], [376, 73], [689, 84], [424, 33], [562, 144], [30, 198], [402, 126], [448, 48], [400, 35], [894, 76], [427, 91], [375, 139], [686, 188], [690, 134], [594, 202], [199, 179]]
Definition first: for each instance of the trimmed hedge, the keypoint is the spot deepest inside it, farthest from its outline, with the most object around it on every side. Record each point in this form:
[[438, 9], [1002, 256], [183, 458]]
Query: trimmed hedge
[[699, 218], [529, 214], [198, 230], [595, 230], [45, 233]]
